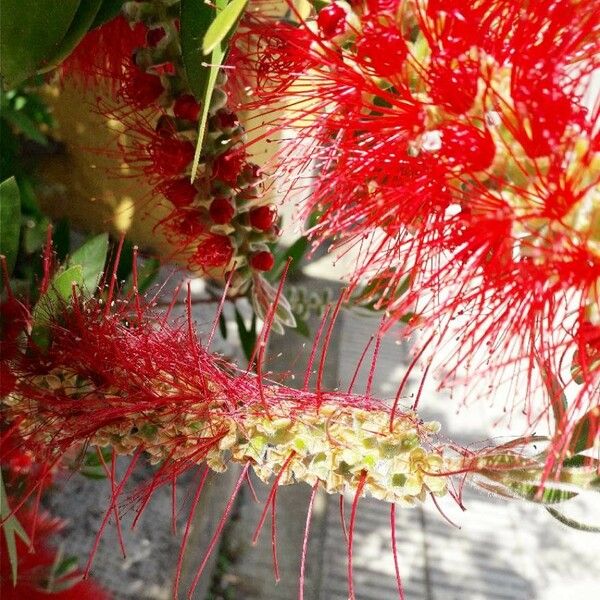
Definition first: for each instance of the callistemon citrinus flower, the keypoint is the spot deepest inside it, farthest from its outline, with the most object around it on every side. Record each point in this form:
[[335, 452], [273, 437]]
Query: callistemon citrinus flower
[[137, 128], [113, 379], [111, 373], [456, 146]]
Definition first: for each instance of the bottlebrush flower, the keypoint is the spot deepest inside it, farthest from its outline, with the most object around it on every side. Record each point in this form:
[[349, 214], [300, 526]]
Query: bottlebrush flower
[[114, 374], [455, 148], [143, 97], [37, 566]]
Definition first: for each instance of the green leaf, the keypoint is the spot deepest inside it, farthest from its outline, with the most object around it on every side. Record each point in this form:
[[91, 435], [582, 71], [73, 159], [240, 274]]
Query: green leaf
[[302, 327], [223, 24], [58, 294], [81, 23], [31, 32], [92, 467], [26, 125], [61, 239], [11, 528], [91, 257], [10, 221], [146, 275], [571, 522], [296, 251], [108, 11], [223, 326], [34, 233], [586, 431], [549, 495], [201, 71], [247, 336]]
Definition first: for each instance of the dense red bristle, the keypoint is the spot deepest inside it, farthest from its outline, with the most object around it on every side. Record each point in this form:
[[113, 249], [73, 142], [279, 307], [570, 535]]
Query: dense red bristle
[[433, 173], [36, 563], [139, 89], [221, 211], [214, 251], [104, 52], [186, 107], [180, 192], [262, 261]]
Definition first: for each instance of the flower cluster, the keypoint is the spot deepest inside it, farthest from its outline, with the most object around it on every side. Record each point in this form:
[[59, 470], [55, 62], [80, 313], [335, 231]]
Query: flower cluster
[[456, 146], [221, 221], [161, 392]]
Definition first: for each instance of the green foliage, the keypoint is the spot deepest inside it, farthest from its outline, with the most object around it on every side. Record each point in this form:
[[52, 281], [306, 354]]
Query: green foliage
[[146, 274], [91, 258], [202, 71], [58, 294], [583, 433], [81, 23], [11, 528], [247, 334], [93, 463], [223, 25], [31, 35], [107, 11], [10, 221], [295, 252], [572, 523]]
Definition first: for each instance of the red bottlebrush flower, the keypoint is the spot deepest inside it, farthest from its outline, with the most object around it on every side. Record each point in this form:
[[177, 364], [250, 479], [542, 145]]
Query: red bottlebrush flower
[[184, 225], [221, 211], [332, 20], [466, 164], [227, 166], [262, 261], [374, 36], [180, 192], [104, 52], [262, 217], [214, 251], [154, 36], [227, 119], [138, 88], [168, 156], [186, 107], [36, 579], [7, 380]]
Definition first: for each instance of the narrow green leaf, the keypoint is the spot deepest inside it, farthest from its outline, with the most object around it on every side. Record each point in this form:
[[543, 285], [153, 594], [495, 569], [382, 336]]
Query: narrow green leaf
[[247, 336], [91, 257], [31, 32], [571, 522], [81, 23], [549, 495], [201, 71], [296, 251], [59, 293], [109, 10], [586, 431], [223, 326], [10, 221], [25, 125], [223, 25], [146, 275], [11, 528]]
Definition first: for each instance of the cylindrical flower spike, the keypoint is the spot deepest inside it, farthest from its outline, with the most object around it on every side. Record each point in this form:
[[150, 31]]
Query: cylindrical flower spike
[[114, 378], [133, 77], [115, 382]]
